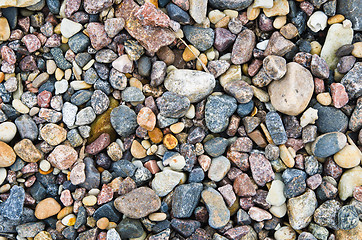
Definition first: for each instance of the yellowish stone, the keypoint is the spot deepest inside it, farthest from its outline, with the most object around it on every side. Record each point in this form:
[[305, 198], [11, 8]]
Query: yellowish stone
[[336, 19], [203, 59], [324, 98], [357, 51], [4, 29], [279, 22], [189, 55], [137, 150], [280, 8], [316, 48]]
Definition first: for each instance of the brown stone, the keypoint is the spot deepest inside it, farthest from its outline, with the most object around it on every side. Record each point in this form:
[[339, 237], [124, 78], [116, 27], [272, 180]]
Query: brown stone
[[243, 186], [156, 135], [146, 119], [63, 157], [138, 203], [278, 45], [26, 150], [137, 150]]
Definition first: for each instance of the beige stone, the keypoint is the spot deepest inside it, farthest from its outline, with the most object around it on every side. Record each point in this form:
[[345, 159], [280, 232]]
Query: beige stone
[[46, 208], [26, 150], [350, 156], [280, 8], [357, 51], [353, 234], [349, 180], [291, 94], [7, 155], [53, 134], [137, 150], [4, 29], [17, 3]]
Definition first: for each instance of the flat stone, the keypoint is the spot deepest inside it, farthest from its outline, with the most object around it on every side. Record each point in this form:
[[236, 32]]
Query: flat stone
[[138, 203], [278, 45], [292, 93], [195, 85], [219, 215], [69, 28], [220, 166]]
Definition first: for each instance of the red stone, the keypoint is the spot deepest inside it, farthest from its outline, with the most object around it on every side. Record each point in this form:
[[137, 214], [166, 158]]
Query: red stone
[[233, 173], [98, 36], [99, 144], [339, 95], [71, 6], [242, 144], [318, 85], [30, 181], [307, 7], [239, 159], [24, 23], [314, 181], [184, 4], [261, 169], [149, 15], [237, 232], [102, 236], [295, 143], [30, 168], [152, 166], [8, 55], [53, 41], [243, 186], [7, 67], [233, 125], [66, 198], [332, 169], [228, 194], [254, 67], [44, 98], [31, 42], [299, 161], [28, 64], [246, 203], [105, 195]]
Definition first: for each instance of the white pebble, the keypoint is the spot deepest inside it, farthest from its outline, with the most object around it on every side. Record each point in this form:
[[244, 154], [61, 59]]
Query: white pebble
[[34, 111], [79, 85], [69, 28], [318, 21], [309, 116], [7, 131], [190, 114], [278, 211], [3, 175], [94, 191], [20, 107], [275, 195], [61, 86], [263, 3], [44, 165], [262, 45], [69, 220]]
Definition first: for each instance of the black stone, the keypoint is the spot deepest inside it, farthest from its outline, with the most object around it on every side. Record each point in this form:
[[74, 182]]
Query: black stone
[[330, 119], [294, 181]]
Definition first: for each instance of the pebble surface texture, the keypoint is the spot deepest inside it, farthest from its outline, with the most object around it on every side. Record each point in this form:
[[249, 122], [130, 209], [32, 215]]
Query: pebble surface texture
[[180, 119]]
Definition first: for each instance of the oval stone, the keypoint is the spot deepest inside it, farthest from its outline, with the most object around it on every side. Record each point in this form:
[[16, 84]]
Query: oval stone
[[138, 203], [328, 144], [7, 155]]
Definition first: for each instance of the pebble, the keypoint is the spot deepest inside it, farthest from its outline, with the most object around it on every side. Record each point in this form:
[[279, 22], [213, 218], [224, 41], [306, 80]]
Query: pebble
[[261, 169], [243, 47], [301, 209], [201, 38], [276, 128], [12, 208], [275, 67], [26, 150], [351, 83], [70, 28], [347, 217], [121, 115], [219, 215], [231, 4], [280, 8], [195, 85], [278, 45], [349, 180], [317, 21], [275, 195], [172, 178], [5, 29], [216, 146], [98, 35], [334, 41], [328, 144], [185, 199], [219, 168], [326, 214], [218, 109], [240, 90], [258, 214], [294, 180], [7, 131], [53, 134], [62, 157], [138, 203], [47, 208], [296, 92], [198, 10]]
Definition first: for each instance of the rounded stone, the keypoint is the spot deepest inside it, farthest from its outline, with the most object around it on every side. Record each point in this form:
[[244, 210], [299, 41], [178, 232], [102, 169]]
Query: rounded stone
[[7, 155], [124, 120], [47, 208], [7, 131], [291, 94], [328, 144], [349, 157], [138, 203], [220, 166], [53, 134], [63, 157]]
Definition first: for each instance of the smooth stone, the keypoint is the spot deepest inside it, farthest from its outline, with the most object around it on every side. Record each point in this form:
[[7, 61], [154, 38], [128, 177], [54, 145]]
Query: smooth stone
[[132, 94], [243, 47], [201, 38], [330, 119], [106, 210], [30, 229], [124, 120], [53, 134], [245, 109], [185, 199], [276, 128], [328, 144], [85, 116], [220, 166], [291, 94], [216, 146], [349, 180], [130, 228], [301, 209], [337, 36], [198, 10], [7, 131], [350, 156], [165, 181], [63, 157], [218, 109], [138, 203], [231, 4], [275, 67], [317, 21], [79, 42], [219, 214], [240, 90], [47, 208], [5, 29], [21, 3], [27, 128], [195, 85], [68, 28], [26, 150], [275, 195]]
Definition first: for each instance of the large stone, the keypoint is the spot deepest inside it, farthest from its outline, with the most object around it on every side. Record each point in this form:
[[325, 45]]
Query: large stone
[[291, 94], [337, 36], [195, 85], [301, 209], [328, 144], [138, 203]]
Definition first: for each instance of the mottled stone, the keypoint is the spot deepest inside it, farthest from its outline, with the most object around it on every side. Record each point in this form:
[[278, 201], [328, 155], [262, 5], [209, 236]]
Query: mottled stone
[[185, 199], [243, 47]]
